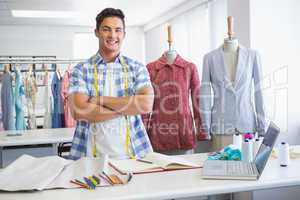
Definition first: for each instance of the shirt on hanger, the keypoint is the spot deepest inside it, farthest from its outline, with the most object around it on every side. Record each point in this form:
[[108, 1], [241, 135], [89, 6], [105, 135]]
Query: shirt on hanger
[[58, 110], [7, 102], [69, 121], [30, 94], [19, 103], [48, 103]]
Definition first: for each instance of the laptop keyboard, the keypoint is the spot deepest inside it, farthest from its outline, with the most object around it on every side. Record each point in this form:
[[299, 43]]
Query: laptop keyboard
[[239, 168]]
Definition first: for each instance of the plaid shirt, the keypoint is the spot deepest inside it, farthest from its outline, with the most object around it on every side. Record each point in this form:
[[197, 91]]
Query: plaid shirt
[[82, 81]]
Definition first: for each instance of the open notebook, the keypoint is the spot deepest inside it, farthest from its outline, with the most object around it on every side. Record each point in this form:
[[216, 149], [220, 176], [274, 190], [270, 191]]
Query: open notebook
[[152, 162]]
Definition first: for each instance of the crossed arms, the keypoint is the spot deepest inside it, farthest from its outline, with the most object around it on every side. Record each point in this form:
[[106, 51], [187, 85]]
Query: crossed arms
[[102, 108]]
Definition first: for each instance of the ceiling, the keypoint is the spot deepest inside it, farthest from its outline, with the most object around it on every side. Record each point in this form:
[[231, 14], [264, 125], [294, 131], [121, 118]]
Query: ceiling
[[137, 12]]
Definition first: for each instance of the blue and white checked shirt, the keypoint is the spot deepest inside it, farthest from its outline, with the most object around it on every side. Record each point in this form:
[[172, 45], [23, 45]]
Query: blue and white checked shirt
[[82, 81]]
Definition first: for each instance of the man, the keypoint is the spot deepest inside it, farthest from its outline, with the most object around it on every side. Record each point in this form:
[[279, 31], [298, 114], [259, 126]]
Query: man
[[108, 93]]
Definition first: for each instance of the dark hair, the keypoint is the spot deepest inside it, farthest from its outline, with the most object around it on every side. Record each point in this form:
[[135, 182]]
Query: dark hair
[[109, 12]]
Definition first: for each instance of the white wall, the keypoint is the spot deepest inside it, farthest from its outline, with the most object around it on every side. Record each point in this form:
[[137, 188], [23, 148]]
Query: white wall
[[217, 22], [61, 41], [86, 44], [274, 34], [190, 34], [241, 13], [37, 40], [134, 44]]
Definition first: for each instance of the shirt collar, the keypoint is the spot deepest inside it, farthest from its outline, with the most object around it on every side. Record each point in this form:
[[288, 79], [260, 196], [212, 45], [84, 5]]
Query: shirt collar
[[178, 62], [100, 60]]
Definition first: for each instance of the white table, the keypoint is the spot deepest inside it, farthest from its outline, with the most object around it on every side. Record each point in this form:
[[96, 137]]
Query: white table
[[34, 137], [175, 184]]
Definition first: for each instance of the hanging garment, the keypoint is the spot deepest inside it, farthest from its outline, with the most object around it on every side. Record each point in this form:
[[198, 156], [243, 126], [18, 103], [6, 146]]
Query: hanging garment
[[232, 106], [58, 110], [30, 94], [7, 103], [19, 103], [171, 124], [48, 104], [69, 121]]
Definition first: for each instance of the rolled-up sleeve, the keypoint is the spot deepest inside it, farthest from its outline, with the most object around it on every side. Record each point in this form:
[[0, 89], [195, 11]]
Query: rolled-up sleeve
[[142, 78], [78, 80]]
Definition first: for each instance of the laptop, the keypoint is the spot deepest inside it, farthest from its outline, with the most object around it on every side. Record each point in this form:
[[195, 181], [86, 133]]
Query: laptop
[[229, 169]]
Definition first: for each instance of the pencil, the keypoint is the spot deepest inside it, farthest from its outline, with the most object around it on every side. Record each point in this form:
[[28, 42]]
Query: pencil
[[144, 161], [79, 184], [82, 183], [108, 181], [108, 177]]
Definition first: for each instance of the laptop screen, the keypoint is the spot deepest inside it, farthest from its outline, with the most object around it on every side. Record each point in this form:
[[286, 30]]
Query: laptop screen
[[266, 147]]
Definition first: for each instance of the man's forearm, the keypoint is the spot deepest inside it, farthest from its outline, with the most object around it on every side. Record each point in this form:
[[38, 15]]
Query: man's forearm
[[93, 113], [99, 114], [132, 105]]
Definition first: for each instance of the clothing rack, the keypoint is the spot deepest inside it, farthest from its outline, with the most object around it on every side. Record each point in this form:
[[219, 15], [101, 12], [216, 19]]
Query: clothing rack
[[39, 61], [35, 60], [51, 66]]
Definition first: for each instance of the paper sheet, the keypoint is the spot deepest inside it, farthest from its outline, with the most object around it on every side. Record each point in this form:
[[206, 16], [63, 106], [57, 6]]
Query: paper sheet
[[83, 167], [30, 173]]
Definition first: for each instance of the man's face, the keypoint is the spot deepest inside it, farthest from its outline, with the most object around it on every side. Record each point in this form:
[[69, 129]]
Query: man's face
[[111, 34]]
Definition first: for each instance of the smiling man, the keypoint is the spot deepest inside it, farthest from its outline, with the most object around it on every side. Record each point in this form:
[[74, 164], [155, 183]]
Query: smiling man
[[108, 93]]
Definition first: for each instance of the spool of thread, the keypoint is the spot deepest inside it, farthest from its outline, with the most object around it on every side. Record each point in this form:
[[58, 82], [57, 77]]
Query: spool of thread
[[237, 141], [247, 152], [284, 154], [249, 136], [256, 145]]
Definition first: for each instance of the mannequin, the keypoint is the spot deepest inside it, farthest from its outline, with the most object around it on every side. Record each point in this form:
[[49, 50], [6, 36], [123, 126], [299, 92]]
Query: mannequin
[[230, 52], [170, 54], [183, 84], [230, 48]]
